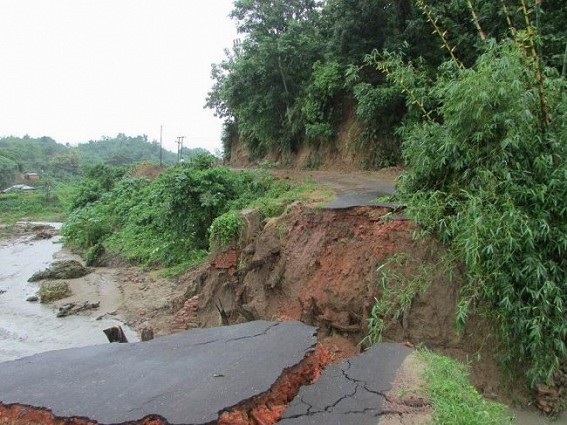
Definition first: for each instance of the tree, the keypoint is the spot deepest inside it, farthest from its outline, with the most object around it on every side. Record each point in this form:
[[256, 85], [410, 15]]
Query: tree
[[258, 84], [8, 170], [64, 164]]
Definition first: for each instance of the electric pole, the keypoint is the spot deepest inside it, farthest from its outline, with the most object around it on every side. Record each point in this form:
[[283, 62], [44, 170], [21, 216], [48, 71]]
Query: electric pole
[[180, 148], [160, 144]]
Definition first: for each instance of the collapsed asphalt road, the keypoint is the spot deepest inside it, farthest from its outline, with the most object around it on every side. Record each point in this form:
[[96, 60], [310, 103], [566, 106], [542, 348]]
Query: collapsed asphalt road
[[353, 392], [203, 376]]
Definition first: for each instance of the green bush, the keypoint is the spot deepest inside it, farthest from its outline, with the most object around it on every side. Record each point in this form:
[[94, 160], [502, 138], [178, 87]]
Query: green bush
[[171, 220], [225, 228], [488, 174]]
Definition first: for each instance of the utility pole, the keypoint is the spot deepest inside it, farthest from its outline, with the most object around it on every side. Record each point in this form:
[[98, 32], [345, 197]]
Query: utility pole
[[160, 144], [180, 148]]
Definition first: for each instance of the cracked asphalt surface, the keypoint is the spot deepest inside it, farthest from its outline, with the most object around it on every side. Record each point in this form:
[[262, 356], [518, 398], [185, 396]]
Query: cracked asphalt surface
[[185, 378], [351, 392]]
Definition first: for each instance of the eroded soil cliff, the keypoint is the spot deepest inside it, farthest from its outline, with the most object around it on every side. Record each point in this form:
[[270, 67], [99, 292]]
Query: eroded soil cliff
[[323, 267]]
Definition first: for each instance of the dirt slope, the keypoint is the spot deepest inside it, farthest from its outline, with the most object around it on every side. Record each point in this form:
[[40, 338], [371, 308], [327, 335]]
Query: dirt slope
[[320, 266]]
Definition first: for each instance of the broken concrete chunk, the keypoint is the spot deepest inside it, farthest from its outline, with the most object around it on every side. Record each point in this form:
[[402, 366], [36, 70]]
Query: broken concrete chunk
[[115, 334]]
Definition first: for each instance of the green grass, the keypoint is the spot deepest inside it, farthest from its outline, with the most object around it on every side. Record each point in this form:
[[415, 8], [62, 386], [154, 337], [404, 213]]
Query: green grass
[[453, 399], [33, 206]]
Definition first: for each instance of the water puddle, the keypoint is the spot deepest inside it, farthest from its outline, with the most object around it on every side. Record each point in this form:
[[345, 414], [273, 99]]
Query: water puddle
[[525, 417], [27, 328]]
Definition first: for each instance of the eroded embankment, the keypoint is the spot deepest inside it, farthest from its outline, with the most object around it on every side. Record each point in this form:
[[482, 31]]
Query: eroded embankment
[[320, 266]]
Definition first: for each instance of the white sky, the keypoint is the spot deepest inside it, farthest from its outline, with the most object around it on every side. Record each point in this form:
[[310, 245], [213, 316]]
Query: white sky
[[77, 70]]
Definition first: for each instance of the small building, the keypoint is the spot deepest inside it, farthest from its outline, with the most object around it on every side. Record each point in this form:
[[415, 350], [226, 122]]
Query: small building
[[32, 177]]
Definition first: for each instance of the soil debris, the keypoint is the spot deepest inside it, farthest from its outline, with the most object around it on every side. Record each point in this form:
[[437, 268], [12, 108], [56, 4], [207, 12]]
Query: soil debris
[[407, 402], [268, 408]]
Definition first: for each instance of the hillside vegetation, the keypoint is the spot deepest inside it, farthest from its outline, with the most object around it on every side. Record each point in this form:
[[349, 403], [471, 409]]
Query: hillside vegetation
[[299, 69], [470, 95]]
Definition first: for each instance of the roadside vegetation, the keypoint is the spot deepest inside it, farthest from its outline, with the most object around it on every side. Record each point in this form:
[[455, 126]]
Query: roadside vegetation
[[454, 401], [174, 219], [470, 96], [487, 176], [298, 71]]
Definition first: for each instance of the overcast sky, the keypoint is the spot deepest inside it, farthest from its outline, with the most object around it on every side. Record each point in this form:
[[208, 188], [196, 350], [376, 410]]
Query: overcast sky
[[76, 70]]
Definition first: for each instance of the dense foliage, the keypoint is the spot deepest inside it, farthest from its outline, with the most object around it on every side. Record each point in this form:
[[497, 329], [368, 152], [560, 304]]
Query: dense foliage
[[125, 150], [8, 171], [166, 221], [488, 175], [299, 68], [30, 154]]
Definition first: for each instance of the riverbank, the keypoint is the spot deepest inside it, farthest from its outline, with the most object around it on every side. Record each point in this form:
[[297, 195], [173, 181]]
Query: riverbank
[[28, 327]]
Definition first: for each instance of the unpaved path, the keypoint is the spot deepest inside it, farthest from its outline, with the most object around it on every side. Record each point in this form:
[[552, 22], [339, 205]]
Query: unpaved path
[[354, 189], [341, 182]]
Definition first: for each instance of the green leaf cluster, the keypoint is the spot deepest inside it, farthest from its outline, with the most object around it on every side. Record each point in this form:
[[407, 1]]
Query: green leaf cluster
[[226, 228]]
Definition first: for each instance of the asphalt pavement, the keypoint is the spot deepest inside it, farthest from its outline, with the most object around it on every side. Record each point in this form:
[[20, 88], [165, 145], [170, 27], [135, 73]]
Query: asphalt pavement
[[184, 378], [350, 393]]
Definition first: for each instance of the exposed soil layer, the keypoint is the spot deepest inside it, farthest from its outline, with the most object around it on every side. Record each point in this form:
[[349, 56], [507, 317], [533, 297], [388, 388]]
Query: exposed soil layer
[[342, 154], [407, 402]]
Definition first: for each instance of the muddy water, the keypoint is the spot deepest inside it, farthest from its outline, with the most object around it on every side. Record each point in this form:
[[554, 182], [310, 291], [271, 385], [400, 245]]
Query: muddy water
[[28, 328], [524, 417]]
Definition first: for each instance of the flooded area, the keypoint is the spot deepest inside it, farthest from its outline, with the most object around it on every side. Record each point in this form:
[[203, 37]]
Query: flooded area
[[30, 327]]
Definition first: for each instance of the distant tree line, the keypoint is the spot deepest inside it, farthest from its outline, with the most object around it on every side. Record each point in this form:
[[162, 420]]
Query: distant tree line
[[45, 156]]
